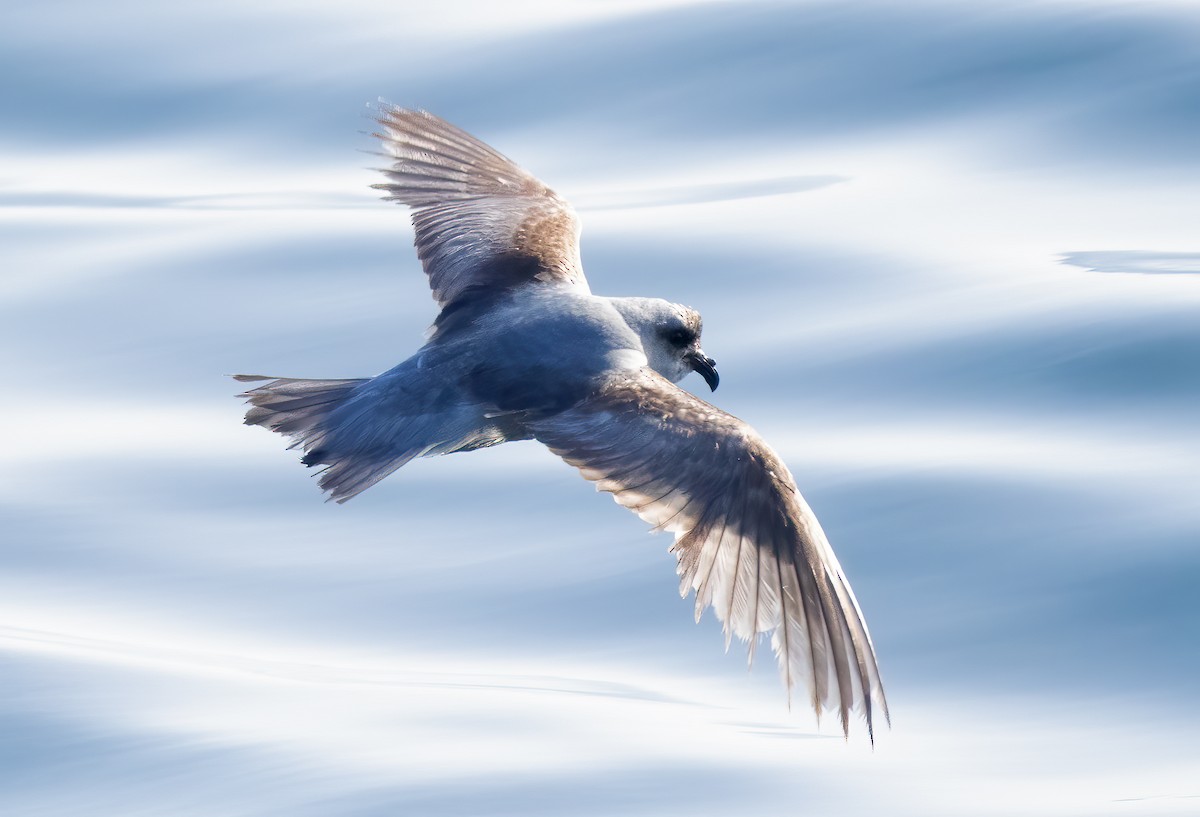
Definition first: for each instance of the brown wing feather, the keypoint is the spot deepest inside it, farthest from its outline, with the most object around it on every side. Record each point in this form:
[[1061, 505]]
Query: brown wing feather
[[483, 225], [746, 541]]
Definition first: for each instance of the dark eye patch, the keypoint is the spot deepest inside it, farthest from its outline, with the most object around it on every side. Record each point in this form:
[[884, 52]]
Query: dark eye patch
[[679, 336]]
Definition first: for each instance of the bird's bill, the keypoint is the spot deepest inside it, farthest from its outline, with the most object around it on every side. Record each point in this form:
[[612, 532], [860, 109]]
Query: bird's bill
[[706, 367]]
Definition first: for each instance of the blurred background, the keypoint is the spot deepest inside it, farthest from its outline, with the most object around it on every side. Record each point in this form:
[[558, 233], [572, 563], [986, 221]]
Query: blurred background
[[948, 259]]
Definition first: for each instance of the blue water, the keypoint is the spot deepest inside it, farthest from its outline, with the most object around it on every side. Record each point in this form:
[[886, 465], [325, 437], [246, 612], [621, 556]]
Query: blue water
[[947, 260]]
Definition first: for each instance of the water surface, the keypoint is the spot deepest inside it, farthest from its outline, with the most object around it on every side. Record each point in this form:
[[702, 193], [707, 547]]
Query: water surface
[[930, 244]]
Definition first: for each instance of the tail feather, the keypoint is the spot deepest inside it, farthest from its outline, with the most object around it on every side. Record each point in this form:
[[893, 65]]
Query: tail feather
[[293, 407], [307, 412], [362, 430]]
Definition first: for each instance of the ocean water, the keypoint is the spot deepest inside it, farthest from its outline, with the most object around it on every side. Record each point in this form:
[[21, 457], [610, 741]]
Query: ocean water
[[948, 261]]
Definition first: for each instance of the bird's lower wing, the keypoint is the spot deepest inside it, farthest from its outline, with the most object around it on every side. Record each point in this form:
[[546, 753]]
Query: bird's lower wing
[[745, 539]]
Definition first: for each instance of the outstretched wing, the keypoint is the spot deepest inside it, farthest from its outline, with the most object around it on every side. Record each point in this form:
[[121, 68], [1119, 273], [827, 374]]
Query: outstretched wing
[[483, 225], [745, 539]]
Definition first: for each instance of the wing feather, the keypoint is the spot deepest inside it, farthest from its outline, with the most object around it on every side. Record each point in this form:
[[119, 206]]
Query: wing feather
[[754, 626], [483, 225], [739, 587], [745, 540]]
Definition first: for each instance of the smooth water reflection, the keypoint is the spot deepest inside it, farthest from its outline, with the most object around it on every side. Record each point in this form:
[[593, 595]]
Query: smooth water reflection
[[895, 224]]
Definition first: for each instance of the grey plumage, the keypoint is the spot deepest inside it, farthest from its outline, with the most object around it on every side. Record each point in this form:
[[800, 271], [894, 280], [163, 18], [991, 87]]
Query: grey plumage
[[521, 349]]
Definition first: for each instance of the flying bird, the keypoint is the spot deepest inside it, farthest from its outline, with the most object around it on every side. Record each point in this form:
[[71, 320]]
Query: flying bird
[[521, 349]]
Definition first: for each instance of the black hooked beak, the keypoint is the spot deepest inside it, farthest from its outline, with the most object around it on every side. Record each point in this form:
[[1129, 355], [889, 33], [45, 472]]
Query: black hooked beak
[[706, 367]]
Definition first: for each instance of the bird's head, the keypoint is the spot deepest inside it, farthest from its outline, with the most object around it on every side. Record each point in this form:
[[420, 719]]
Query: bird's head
[[670, 335]]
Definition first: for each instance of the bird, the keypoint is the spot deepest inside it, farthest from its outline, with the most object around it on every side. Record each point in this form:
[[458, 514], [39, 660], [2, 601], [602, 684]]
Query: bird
[[521, 349]]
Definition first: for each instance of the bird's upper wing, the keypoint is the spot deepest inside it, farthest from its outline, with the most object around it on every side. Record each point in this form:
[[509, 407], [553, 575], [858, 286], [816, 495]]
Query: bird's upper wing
[[745, 539], [483, 225]]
